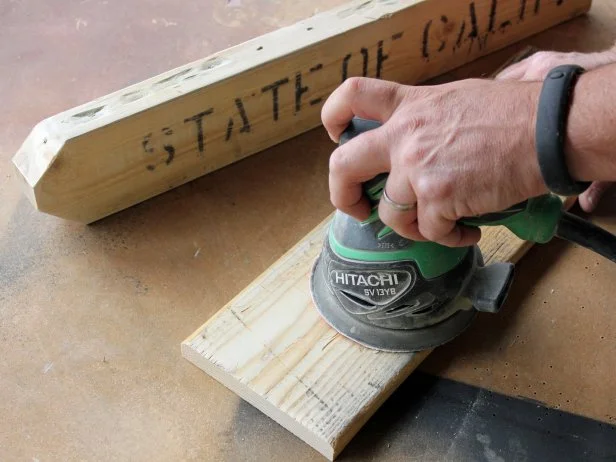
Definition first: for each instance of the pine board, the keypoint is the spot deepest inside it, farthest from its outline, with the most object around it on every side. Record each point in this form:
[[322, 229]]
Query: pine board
[[270, 346]]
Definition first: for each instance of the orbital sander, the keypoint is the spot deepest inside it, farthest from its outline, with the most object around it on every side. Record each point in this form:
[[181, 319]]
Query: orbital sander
[[390, 293]]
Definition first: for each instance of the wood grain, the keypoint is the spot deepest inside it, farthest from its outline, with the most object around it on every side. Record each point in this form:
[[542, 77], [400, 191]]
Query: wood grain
[[118, 150]]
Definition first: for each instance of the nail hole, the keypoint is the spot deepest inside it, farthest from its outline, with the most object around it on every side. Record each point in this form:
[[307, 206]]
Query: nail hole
[[259, 49], [133, 95], [212, 63], [174, 76], [88, 113]]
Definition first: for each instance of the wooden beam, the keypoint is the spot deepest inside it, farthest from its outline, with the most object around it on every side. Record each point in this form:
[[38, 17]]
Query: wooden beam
[[270, 346], [118, 150]]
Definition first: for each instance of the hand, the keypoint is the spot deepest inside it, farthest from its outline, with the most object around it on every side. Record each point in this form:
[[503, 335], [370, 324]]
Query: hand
[[536, 67], [455, 150]]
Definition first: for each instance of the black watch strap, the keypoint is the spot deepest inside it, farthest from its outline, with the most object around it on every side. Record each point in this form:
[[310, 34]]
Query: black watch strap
[[551, 130]]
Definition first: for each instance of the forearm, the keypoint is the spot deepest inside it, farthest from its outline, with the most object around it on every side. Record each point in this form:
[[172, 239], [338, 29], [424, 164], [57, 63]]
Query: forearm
[[591, 129]]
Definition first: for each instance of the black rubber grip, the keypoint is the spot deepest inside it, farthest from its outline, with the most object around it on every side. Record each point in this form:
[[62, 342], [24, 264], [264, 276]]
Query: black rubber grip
[[551, 130], [356, 127]]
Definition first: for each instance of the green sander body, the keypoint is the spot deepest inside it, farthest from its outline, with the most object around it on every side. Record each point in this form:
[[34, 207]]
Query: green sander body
[[390, 293]]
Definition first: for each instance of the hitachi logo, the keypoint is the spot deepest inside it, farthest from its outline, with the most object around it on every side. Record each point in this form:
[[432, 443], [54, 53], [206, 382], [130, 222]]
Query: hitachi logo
[[366, 280]]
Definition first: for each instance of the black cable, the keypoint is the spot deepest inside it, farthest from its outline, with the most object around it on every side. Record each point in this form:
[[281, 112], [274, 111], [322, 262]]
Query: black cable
[[584, 233]]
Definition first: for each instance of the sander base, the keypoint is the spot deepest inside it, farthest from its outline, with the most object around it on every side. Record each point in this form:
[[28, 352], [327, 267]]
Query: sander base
[[389, 306]]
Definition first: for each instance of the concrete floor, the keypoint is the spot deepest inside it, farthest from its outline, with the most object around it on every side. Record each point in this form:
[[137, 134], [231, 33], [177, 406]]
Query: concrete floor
[[91, 317]]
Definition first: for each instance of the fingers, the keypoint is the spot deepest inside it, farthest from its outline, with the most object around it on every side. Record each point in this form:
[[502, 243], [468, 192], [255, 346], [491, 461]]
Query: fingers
[[514, 72], [418, 224], [399, 190], [537, 66], [366, 98], [446, 232], [533, 68], [353, 163], [590, 198]]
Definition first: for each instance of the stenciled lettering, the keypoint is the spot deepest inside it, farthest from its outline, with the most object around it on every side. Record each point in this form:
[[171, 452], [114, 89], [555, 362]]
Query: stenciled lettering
[[198, 119], [274, 87], [169, 149], [239, 104]]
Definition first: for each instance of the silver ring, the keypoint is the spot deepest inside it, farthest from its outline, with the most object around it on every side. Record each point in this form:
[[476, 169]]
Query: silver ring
[[395, 205]]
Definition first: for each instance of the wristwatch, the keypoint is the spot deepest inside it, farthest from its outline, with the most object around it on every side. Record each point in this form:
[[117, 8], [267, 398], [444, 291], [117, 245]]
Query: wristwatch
[[551, 130]]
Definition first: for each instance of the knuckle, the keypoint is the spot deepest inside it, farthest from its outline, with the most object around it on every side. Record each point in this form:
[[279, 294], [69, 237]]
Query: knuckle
[[434, 189], [337, 162], [410, 156], [412, 123], [335, 200], [353, 85], [326, 111], [388, 92], [428, 232]]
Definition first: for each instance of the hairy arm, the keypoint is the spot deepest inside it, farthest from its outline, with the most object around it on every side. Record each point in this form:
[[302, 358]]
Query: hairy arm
[[536, 67], [591, 128]]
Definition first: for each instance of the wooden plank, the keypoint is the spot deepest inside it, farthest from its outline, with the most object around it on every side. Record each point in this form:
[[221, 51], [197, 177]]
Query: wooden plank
[[270, 346], [118, 150]]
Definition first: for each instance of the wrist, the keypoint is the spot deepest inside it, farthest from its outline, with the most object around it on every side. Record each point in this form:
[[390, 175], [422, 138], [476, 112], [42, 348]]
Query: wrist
[[579, 139]]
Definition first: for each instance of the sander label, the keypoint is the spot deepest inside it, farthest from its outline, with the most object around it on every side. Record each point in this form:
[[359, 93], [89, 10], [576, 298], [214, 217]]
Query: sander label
[[369, 279], [377, 286]]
